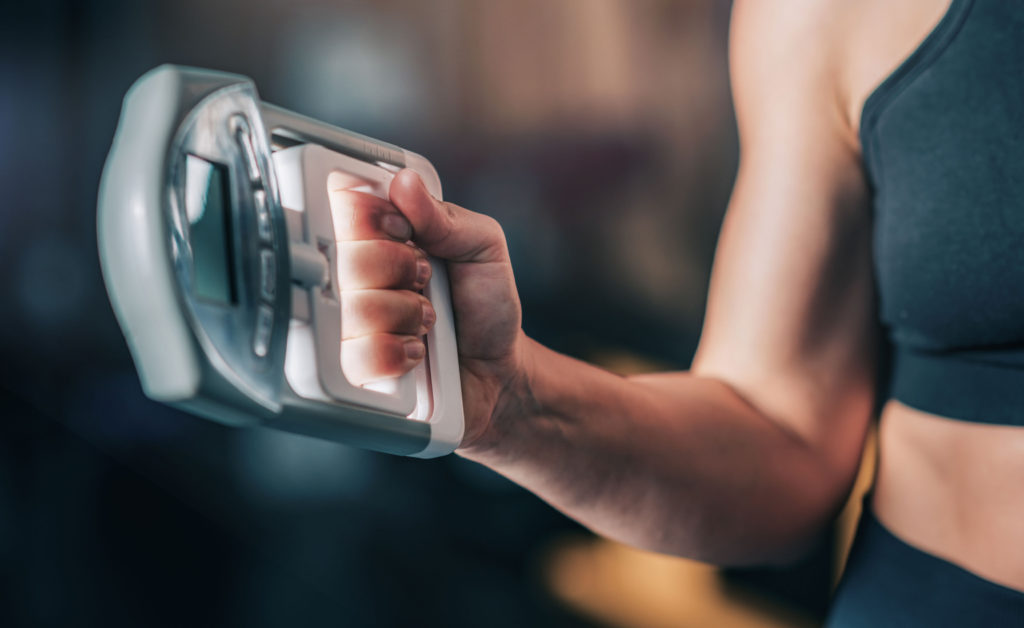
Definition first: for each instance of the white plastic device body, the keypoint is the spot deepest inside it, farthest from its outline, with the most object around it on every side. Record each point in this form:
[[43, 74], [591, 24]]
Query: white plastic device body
[[217, 244]]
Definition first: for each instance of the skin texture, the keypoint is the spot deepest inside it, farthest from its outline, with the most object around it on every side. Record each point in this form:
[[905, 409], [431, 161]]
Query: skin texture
[[747, 456]]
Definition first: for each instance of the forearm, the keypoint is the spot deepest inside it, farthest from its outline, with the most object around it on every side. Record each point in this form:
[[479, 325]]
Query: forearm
[[674, 463]]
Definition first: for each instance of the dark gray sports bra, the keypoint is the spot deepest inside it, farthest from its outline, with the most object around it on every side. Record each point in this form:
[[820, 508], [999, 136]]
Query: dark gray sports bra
[[943, 141]]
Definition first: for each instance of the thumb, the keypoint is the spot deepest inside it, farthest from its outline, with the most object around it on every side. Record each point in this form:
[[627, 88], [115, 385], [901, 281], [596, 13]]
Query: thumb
[[445, 230]]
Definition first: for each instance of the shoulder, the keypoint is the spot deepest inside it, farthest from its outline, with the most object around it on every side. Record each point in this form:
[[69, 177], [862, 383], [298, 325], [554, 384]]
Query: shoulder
[[791, 26], [787, 66], [821, 57], [786, 61]]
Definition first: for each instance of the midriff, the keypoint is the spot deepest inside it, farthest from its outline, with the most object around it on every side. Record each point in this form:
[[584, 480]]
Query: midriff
[[954, 489]]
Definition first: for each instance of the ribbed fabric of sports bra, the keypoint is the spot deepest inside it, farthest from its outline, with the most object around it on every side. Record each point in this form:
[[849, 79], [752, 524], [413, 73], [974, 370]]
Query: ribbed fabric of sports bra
[[943, 142]]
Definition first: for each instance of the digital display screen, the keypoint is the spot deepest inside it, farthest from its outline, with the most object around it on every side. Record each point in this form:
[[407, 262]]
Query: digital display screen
[[208, 208]]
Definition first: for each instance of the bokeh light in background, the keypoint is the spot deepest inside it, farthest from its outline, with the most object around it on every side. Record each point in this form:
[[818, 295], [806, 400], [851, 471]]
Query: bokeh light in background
[[600, 134]]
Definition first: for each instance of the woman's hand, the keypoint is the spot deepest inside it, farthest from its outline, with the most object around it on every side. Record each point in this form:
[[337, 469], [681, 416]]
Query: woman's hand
[[382, 257]]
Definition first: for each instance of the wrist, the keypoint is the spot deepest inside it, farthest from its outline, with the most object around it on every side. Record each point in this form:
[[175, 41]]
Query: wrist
[[512, 408]]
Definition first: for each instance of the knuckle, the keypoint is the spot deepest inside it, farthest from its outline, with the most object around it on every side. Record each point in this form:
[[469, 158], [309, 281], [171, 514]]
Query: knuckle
[[356, 313], [401, 308], [367, 312], [421, 270], [350, 260], [365, 263], [357, 214], [425, 313], [392, 356], [407, 267], [494, 231], [372, 358], [378, 264], [412, 311], [499, 245], [491, 225], [449, 216]]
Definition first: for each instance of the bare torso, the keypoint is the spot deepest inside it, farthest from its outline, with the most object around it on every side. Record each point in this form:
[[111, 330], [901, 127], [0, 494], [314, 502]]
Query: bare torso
[[952, 488]]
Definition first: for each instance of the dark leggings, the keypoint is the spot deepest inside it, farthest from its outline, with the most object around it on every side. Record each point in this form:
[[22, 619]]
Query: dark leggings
[[890, 583]]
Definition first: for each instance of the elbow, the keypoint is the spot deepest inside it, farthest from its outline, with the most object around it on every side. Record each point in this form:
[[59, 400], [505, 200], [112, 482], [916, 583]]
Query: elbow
[[782, 521], [787, 531]]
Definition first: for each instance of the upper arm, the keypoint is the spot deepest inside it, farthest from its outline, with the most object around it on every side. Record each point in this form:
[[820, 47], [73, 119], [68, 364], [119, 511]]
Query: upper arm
[[790, 322]]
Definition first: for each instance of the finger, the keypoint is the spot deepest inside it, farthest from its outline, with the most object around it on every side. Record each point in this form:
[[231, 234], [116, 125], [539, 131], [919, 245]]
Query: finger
[[367, 312], [380, 356], [362, 216], [368, 264], [443, 229]]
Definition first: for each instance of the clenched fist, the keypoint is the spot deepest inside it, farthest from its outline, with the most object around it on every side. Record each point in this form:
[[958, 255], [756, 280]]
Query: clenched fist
[[382, 266]]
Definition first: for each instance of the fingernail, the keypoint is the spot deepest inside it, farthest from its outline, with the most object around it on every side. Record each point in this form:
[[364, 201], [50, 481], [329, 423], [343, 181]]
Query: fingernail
[[428, 315], [422, 272], [396, 226], [414, 349]]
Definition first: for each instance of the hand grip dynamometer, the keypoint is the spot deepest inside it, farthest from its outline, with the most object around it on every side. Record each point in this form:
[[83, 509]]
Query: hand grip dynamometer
[[218, 246]]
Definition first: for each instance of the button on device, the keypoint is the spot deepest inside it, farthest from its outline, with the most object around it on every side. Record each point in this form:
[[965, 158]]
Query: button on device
[[264, 327], [268, 274], [263, 222], [244, 137]]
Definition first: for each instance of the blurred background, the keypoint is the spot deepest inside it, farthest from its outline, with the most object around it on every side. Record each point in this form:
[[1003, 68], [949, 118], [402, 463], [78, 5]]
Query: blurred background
[[599, 132]]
